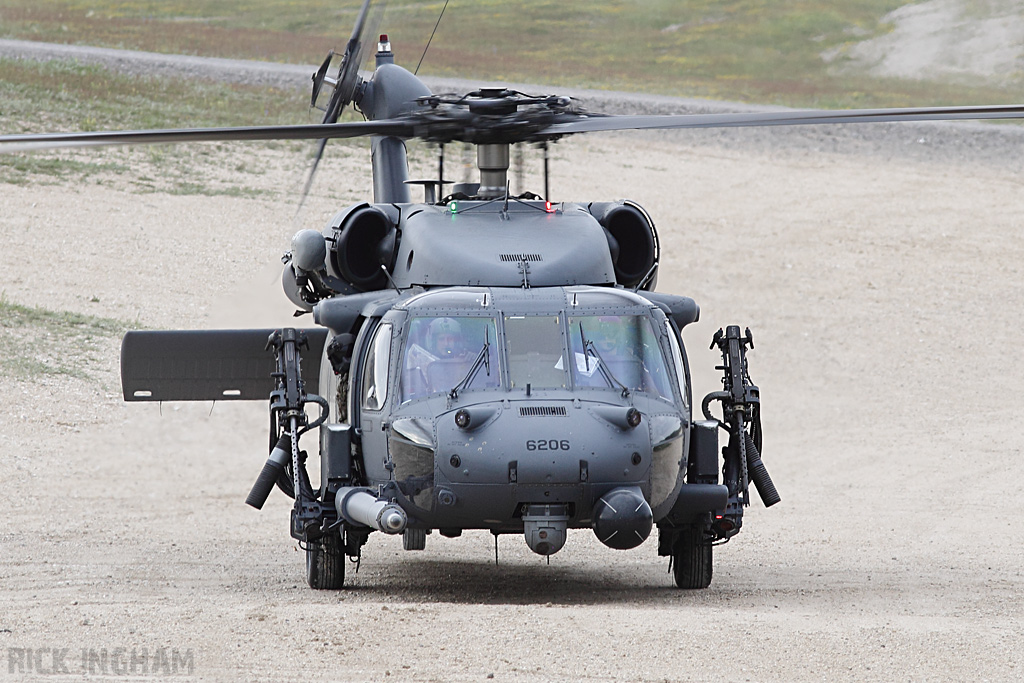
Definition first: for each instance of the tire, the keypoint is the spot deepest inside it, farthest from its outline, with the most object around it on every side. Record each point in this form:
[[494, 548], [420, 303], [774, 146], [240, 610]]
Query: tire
[[414, 539], [325, 563], [691, 560]]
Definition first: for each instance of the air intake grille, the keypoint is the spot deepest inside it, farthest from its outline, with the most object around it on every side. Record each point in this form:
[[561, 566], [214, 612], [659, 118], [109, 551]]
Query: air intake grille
[[516, 258], [542, 411]]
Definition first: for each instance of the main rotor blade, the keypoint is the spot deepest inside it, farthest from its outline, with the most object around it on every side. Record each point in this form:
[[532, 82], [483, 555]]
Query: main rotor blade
[[27, 142], [785, 118], [320, 146], [468, 129]]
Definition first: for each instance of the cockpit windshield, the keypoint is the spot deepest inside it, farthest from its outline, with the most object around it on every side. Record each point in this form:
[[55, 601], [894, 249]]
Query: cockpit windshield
[[535, 351], [453, 354], [441, 351], [616, 351]]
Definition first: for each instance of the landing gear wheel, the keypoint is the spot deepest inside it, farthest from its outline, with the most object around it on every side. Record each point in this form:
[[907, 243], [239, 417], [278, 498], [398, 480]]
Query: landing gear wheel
[[414, 539], [691, 560], [325, 563]]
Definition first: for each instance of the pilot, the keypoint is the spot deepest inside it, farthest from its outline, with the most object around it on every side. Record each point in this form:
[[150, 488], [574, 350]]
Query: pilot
[[444, 338], [446, 346], [440, 363], [608, 338]]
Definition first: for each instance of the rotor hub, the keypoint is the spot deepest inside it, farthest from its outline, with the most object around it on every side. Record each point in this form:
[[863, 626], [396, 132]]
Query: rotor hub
[[490, 116]]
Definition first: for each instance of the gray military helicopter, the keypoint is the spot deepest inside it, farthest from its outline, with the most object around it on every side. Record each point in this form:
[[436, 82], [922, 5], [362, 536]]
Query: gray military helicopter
[[482, 360]]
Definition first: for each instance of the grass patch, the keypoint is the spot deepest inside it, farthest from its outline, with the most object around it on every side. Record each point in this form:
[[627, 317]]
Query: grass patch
[[25, 169], [747, 50], [67, 96], [192, 188], [39, 342], [63, 95]]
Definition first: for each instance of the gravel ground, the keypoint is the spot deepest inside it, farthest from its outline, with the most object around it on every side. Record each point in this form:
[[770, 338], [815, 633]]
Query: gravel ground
[[884, 289]]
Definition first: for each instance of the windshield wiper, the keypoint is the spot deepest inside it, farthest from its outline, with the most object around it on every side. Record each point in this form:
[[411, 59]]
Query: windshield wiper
[[583, 340], [603, 367], [482, 358]]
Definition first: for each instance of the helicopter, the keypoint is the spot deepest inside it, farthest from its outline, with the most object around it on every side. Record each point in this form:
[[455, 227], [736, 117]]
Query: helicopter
[[482, 360]]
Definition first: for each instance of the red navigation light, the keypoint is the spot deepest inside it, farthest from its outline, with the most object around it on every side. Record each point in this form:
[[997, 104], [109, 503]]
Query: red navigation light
[[548, 207]]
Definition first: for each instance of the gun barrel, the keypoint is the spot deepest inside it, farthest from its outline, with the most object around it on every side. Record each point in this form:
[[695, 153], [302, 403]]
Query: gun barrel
[[759, 475], [271, 471]]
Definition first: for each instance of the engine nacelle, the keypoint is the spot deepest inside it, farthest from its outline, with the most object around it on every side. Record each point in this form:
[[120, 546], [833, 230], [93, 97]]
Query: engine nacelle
[[363, 238], [632, 241]]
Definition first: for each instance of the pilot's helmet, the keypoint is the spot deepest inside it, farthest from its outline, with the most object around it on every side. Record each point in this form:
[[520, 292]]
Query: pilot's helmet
[[444, 337], [608, 334]]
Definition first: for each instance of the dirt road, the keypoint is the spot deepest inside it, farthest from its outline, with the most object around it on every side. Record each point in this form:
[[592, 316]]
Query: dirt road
[[885, 294]]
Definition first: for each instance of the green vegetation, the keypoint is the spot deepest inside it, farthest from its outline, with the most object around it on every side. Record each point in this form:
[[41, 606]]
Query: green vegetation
[[44, 96], [25, 169], [747, 50], [38, 96], [206, 189], [39, 342], [60, 95]]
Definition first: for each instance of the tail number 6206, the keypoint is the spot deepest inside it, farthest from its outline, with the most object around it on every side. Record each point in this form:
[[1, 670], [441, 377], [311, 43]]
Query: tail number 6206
[[547, 445]]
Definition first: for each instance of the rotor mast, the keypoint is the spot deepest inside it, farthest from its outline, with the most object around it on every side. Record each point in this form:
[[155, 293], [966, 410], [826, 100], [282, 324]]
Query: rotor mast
[[492, 160]]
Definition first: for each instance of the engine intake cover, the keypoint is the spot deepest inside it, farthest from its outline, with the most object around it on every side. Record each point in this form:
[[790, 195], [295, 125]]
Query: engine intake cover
[[632, 240], [364, 240]]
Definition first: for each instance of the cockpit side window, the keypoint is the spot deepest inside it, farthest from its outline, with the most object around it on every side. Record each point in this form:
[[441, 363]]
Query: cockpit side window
[[609, 350], [440, 352], [375, 370], [677, 360]]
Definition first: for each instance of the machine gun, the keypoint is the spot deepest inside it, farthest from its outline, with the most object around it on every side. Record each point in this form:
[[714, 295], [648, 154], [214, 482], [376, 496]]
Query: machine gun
[[741, 411], [288, 421]]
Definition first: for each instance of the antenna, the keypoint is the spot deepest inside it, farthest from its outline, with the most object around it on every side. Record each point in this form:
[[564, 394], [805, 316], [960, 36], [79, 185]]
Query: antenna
[[646, 278], [390, 279], [427, 47]]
